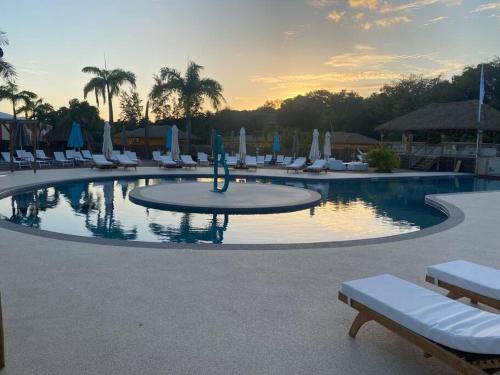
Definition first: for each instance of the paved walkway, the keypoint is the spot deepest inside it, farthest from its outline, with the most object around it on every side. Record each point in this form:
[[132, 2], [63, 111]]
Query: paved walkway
[[80, 308]]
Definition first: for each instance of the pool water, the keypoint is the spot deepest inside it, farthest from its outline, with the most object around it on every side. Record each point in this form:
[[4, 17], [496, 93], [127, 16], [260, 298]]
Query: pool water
[[350, 209]]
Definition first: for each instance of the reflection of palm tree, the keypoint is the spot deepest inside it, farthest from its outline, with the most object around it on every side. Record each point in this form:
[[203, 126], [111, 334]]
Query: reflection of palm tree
[[106, 226], [186, 233], [25, 209]]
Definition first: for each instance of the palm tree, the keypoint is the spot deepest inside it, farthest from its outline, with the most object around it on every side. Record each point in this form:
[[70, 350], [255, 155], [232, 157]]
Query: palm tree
[[191, 90], [7, 71], [106, 84], [10, 91], [38, 111]]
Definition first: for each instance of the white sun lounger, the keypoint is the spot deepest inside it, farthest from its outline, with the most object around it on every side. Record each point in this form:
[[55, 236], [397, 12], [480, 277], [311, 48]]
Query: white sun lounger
[[336, 165], [114, 155], [166, 161], [251, 162], [202, 158], [124, 161], [20, 163], [268, 159], [297, 165], [261, 160], [87, 155], [61, 159], [318, 166], [465, 279], [157, 157], [279, 159], [132, 156], [187, 161], [458, 334], [40, 162], [357, 166], [232, 161], [40, 154], [286, 160], [99, 161]]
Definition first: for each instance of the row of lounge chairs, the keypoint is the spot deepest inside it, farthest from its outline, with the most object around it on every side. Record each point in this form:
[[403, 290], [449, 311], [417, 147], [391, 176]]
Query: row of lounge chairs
[[461, 335]]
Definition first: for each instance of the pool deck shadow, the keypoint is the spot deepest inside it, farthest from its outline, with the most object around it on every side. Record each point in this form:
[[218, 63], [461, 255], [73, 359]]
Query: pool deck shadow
[[89, 308]]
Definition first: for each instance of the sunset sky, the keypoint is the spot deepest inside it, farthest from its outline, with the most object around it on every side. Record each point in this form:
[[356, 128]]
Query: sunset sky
[[258, 50]]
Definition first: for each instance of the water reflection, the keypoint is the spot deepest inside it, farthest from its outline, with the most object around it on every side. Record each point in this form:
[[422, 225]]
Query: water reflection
[[349, 209]]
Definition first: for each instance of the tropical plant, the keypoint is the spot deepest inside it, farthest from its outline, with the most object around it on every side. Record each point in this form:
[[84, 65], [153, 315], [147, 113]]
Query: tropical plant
[[383, 159], [131, 106], [7, 71], [191, 91], [106, 84]]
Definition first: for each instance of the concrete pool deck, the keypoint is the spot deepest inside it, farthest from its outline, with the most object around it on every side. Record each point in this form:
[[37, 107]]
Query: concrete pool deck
[[84, 308]]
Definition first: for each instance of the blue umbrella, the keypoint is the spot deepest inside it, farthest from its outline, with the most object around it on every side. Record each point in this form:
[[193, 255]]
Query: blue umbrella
[[75, 139], [276, 143], [168, 139]]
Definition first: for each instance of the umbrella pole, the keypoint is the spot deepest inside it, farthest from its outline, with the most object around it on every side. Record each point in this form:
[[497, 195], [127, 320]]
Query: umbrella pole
[[35, 144]]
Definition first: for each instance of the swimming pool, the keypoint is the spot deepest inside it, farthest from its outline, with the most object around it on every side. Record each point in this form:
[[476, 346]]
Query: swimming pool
[[349, 210]]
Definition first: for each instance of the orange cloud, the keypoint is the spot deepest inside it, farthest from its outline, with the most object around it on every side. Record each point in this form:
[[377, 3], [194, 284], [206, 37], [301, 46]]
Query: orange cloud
[[335, 16]]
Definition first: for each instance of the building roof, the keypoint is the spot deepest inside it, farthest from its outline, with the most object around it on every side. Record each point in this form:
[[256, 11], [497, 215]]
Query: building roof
[[445, 116], [7, 117], [155, 131], [347, 138]]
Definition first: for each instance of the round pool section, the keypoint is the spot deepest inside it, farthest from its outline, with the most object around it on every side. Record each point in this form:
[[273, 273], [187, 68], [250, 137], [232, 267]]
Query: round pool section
[[349, 210], [243, 199]]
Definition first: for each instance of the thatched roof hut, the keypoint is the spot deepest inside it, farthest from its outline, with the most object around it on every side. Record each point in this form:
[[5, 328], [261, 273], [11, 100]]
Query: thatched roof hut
[[346, 138], [445, 116]]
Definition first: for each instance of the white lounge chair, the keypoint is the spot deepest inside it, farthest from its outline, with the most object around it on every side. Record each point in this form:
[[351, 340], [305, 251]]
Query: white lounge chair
[[357, 166], [100, 161], [70, 154], [462, 336], [232, 161], [286, 160], [132, 156], [336, 165], [21, 154], [465, 279], [202, 158], [261, 160], [166, 161], [40, 154], [41, 162], [19, 163], [297, 165], [251, 162], [79, 158], [114, 155], [61, 159], [157, 156], [124, 161], [280, 159], [187, 161], [87, 154], [318, 166], [268, 159]]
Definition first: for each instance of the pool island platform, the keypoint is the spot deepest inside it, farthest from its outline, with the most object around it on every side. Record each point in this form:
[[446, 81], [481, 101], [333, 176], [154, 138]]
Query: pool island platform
[[84, 307]]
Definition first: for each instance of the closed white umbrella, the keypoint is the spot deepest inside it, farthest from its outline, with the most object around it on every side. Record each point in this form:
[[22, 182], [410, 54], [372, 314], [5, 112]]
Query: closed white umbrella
[[242, 151], [107, 143], [314, 154], [327, 148], [175, 143]]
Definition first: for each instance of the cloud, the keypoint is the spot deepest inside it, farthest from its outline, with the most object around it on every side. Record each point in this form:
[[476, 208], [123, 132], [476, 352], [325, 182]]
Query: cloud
[[363, 47], [369, 4], [358, 16], [487, 7], [389, 8], [321, 3], [289, 35], [386, 22], [436, 20], [335, 16]]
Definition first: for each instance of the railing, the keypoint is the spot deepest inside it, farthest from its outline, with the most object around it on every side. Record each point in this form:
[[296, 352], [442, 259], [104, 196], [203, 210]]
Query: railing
[[446, 149]]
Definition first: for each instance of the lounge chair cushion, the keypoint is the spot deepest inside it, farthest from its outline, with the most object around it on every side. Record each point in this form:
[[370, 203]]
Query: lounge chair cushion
[[429, 314], [470, 276]]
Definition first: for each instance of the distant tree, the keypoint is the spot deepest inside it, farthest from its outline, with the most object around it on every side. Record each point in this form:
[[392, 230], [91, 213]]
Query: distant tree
[[7, 71], [10, 92], [191, 91], [131, 106]]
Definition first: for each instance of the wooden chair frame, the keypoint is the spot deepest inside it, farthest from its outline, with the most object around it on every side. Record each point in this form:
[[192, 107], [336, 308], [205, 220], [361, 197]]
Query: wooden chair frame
[[455, 292], [456, 360]]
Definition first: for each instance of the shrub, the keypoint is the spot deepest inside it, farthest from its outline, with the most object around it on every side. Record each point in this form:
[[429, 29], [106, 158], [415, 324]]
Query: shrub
[[383, 159]]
